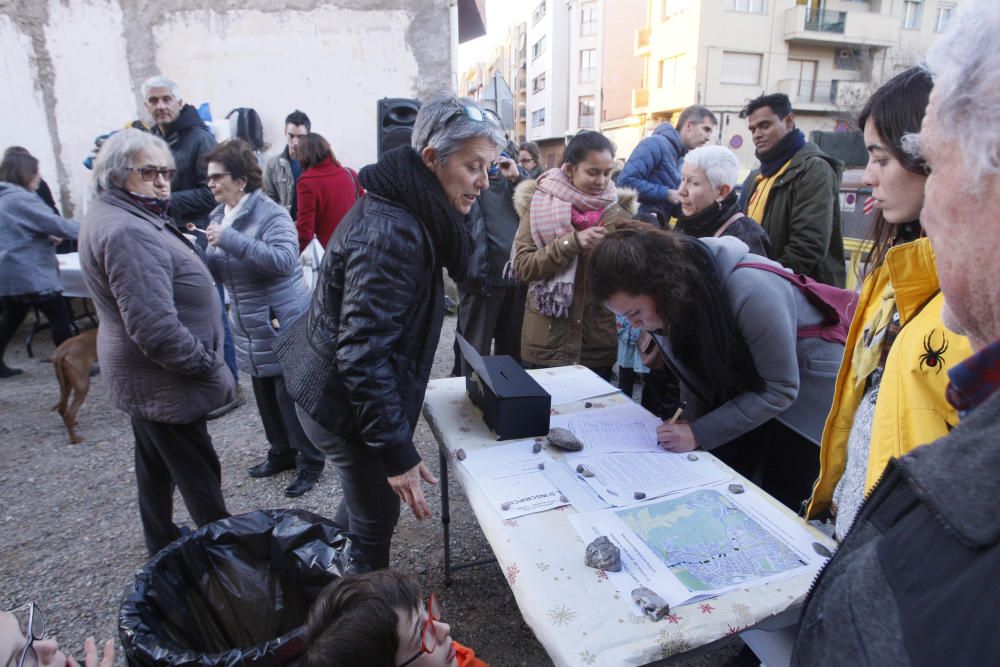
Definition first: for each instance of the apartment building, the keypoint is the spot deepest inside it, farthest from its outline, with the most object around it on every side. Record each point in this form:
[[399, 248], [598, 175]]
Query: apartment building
[[548, 78], [826, 55], [508, 62]]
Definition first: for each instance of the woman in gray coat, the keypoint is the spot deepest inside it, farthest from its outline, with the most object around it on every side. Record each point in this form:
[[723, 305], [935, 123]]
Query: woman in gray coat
[[160, 339], [29, 273], [757, 392], [253, 250]]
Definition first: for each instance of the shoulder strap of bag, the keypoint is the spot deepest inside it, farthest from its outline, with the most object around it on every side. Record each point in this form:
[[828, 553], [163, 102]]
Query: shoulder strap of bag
[[357, 184], [727, 224], [837, 304], [708, 405]]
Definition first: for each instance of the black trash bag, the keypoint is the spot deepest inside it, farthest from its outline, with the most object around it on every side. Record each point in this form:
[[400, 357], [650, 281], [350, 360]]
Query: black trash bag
[[235, 592]]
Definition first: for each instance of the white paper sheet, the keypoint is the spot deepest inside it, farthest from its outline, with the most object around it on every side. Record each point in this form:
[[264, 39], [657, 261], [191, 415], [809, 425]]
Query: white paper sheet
[[701, 543], [622, 428], [577, 384], [617, 477], [510, 477]]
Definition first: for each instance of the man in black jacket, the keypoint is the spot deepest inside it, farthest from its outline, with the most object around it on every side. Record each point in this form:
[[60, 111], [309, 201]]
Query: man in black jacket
[[190, 140], [914, 581]]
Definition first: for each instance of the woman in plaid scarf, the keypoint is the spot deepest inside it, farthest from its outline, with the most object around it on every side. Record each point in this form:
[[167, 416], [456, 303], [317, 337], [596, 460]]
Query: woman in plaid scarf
[[564, 214]]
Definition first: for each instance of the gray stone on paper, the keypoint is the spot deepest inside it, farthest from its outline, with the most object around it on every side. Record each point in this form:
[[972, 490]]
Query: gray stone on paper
[[601, 554], [564, 439], [651, 604]]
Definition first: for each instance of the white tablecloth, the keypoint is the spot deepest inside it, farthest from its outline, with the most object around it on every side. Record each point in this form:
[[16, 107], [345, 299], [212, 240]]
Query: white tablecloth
[[71, 276], [575, 612]]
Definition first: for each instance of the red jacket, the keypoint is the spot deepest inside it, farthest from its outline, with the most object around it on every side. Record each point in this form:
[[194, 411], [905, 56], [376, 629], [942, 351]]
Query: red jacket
[[325, 192]]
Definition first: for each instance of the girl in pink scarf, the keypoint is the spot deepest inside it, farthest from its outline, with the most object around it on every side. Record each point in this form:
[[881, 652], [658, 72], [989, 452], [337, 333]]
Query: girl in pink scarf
[[564, 215]]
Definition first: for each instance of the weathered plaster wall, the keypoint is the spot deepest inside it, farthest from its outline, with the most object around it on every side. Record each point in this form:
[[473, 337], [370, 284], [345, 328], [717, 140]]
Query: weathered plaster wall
[[70, 69]]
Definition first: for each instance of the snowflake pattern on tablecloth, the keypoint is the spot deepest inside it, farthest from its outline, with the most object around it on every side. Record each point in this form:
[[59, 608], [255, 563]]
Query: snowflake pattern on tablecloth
[[672, 643], [561, 615], [743, 614], [510, 523], [464, 429], [542, 567], [602, 575], [512, 571], [636, 620], [553, 411], [588, 658], [706, 608], [735, 630], [673, 618]]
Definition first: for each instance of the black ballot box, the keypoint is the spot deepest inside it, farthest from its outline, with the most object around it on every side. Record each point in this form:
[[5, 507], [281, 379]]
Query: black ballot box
[[513, 404]]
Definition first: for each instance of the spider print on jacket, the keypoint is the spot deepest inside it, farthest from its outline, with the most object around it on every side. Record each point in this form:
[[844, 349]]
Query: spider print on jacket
[[933, 356]]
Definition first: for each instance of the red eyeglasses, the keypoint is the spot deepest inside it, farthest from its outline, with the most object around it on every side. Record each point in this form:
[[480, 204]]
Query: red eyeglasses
[[428, 640]]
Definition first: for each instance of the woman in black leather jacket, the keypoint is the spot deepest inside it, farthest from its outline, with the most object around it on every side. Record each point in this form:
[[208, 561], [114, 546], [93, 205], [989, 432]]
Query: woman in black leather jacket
[[357, 364]]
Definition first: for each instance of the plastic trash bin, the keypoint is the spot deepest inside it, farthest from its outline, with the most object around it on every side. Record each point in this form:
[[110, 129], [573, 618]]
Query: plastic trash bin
[[235, 592]]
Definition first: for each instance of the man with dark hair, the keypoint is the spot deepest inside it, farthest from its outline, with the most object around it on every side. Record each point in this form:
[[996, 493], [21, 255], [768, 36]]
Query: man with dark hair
[[654, 167], [283, 170], [794, 194]]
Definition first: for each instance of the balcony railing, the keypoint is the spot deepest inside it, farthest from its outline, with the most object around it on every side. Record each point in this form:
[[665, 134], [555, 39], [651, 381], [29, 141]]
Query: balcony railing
[[825, 21], [804, 91]]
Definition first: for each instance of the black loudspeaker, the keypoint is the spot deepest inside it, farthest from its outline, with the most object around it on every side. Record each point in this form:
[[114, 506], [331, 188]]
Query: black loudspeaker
[[396, 116]]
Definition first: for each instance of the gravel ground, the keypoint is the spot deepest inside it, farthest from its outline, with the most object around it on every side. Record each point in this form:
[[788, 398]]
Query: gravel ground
[[70, 538]]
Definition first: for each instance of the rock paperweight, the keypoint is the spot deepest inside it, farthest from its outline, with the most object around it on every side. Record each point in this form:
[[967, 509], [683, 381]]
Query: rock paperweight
[[535, 448], [586, 473], [505, 506], [638, 495], [564, 439], [601, 554], [652, 605], [736, 488], [460, 454], [692, 457], [541, 466]]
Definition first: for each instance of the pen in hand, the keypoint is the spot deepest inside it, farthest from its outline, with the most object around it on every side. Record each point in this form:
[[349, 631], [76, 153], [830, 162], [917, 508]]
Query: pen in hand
[[677, 414]]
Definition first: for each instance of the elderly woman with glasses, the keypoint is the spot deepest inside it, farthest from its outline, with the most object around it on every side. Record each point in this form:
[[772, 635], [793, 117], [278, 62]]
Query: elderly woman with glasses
[[160, 340], [252, 250], [378, 619], [358, 362], [23, 643]]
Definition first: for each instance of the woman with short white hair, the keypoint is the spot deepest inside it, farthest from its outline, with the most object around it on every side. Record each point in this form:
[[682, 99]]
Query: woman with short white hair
[[709, 203]]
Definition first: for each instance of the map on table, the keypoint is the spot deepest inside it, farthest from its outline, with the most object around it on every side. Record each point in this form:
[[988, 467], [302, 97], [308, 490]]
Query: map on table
[[708, 542]]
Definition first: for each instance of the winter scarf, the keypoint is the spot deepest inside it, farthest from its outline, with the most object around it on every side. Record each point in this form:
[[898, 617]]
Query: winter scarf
[[556, 205], [771, 161], [708, 220], [401, 177], [158, 207]]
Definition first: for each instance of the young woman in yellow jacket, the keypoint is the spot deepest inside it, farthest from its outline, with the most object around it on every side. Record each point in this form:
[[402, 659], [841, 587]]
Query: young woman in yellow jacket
[[890, 392]]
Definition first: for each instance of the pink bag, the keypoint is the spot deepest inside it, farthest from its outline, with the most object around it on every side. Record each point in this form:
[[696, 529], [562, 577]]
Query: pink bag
[[836, 304]]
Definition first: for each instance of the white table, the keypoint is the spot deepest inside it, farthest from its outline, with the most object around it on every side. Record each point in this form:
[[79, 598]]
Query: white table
[[71, 276], [575, 612]]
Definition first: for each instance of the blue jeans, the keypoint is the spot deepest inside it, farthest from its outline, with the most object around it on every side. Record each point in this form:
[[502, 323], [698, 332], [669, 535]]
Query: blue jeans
[[228, 347], [370, 508]]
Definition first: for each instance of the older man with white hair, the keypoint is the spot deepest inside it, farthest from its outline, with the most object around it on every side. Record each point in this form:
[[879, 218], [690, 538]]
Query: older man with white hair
[[914, 580]]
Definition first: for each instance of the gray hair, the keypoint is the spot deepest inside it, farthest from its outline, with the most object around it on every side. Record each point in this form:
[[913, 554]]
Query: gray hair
[[444, 124], [965, 65], [720, 165], [159, 81], [117, 153]]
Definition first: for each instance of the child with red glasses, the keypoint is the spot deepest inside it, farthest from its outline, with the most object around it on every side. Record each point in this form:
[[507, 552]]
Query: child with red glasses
[[379, 620]]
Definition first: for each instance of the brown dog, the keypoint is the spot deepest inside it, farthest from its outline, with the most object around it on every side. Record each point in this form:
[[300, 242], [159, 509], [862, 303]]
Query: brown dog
[[72, 361]]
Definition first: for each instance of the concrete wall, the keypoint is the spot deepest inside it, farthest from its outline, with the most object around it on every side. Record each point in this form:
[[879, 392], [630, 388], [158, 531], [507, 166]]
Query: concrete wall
[[71, 69]]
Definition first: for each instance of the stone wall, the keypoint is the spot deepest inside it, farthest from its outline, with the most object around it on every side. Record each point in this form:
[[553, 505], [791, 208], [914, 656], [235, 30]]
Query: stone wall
[[70, 70]]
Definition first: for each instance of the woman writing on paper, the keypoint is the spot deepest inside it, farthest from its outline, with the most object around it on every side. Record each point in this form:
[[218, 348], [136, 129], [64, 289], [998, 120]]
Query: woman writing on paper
[[756, 393]]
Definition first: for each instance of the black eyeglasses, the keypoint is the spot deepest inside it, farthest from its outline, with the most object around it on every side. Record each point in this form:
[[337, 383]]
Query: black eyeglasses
[[32, 625], [150, 173], [428, 640]]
